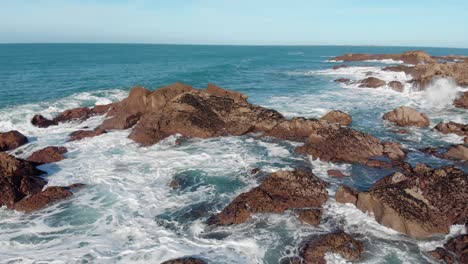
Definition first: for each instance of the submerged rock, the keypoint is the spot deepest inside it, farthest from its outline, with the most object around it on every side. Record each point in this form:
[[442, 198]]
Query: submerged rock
[[371, 82], [48, 155], [42, 122], [185, 260], [461, 101], [314, 249], [309, 216], [11, 140], [281, 191], [81, 134], [337, 116], [342, 80], [396, 86], [405, 116], [419, 203]]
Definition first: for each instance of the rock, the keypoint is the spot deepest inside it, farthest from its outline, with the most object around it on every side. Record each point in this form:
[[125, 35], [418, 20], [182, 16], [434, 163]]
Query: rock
[[371, 82], [48, 155], [454, 251], [281, 191], [399, 68], [81, 134], [185, 260], [346, 194], [419, 203], [42, 199], [120, 122], [42, 122], [409, 57], [457, 152], [423, 74], [340, 67], [452, 127], [335, 174], [345, 145], [11, 140], [309, 216], [298, 129], [339, 117], [405, 116], [313, 250], [236, 96], [342, 80], [396, 86], [81, 113], [461, 101]]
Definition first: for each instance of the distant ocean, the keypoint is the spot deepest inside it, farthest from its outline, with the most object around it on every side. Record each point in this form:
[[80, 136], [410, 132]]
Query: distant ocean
[[130, 215]]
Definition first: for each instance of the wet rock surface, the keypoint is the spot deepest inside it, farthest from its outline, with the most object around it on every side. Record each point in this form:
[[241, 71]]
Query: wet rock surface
[[281, 191], [48, 155], [457, 152], [405, 116], [313, 249], [11, 140]]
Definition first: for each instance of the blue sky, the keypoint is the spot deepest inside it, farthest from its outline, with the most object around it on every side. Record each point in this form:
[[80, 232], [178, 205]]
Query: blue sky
[[250, 22]]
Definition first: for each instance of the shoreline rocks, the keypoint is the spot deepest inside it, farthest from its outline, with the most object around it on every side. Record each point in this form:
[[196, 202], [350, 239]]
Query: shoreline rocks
[[409, 57], [48, 155], [11, 140], [454, 251], [405, 116]]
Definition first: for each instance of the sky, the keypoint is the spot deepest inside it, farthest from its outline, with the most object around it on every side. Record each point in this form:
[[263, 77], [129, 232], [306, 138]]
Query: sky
[[237, 22]]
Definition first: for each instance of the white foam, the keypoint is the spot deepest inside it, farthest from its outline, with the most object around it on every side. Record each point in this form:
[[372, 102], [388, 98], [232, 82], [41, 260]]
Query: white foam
[[441, 92]]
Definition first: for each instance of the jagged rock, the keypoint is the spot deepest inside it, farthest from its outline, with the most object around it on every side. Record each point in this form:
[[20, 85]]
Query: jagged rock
[[48, 155], [454, 251], [11, 140], [462, 100], [345, 194], [281, 191], [309, 216], [396, 86], [81, 134], [42, 199], [452, 127], [339, 117], [185, 260], [313, 250], [405, 116], [457, 152], [419, 203], [371, 82]]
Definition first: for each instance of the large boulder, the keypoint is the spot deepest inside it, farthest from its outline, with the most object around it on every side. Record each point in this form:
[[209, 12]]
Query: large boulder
[[42, 199], [337, 116], [314, 249], [371, 82], [454, 251], [405, 116], [461, 101], [11, 140], [419, 203], [48, 155], [281, 191]]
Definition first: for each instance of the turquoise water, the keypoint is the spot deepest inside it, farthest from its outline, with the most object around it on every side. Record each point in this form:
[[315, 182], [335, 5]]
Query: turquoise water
[[129, 215]]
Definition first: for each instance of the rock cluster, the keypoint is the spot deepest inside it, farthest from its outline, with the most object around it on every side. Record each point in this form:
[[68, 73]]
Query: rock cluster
[[454, 251], [409, 57], [419, 203]]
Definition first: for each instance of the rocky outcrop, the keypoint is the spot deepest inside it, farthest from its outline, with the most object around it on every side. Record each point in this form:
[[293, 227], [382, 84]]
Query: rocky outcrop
[[11, 140], [75, 114], [452, 128], [409, 57], [21, 187], [185, 260], [405, 116], [337, 116], [423, 74], [419, 203], [371, 82], [348, 145], [281, 191], [461, 101], [81, 134], [309, 216], [457, 152], [48, 155], [314, 249], [396, 86], [454, 251]]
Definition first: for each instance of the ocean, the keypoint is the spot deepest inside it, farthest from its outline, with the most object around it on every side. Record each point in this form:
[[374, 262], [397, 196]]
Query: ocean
[[128, 214]]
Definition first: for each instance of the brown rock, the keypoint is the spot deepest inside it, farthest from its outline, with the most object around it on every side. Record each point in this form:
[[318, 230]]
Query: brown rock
[[454, 251], [409, 57], [81, 134], [339, 117], [396, 86], [423, 74], [11, 140], [346, 194], [371, 82], [457, 152], [340, 67], [48, 155], [281, 191], [452, 127], [405, 116], [342, 80], [399, 68], [442, 255], [313, 250], [335, 173], [425, 202], [42, 199], [236, 96], [75, 114], [310, 216], [81, 113], [42, 122], [185, 260], [461, 101]]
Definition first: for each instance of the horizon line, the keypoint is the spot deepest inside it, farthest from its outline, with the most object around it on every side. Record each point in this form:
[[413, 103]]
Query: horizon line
[[234, 45]]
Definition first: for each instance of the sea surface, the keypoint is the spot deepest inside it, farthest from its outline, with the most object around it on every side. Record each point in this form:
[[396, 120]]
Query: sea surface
[[128, 214]]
